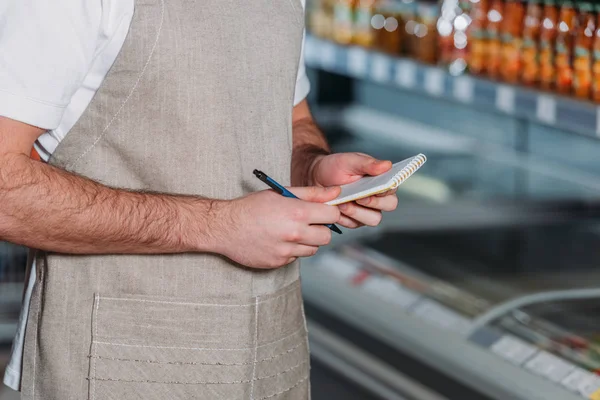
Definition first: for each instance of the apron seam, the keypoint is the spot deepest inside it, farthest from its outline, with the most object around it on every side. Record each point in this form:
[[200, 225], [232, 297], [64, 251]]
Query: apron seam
[[297, 11], [139, 78], [290, 350], [94, 347], [260, 378], [286, 390], [35, 339], [255, 347], [295, 332], [307, 341], [269, 299]]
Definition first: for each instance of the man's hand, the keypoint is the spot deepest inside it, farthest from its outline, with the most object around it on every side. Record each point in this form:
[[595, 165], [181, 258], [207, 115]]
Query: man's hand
[[80, 216], [266, 230], [343, 168]]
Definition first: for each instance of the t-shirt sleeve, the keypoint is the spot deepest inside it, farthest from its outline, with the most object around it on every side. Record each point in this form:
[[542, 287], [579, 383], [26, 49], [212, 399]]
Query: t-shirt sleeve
[[302, 82], [47, 49]]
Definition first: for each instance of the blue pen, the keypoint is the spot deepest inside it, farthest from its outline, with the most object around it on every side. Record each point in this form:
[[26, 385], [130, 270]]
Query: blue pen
[[285, 193]]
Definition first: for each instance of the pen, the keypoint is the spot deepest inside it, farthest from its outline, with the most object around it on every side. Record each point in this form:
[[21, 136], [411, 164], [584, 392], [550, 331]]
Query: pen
[[285, 193]]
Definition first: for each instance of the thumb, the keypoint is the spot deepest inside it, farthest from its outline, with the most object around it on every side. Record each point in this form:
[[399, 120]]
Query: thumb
[[362, 164], [316, 194]]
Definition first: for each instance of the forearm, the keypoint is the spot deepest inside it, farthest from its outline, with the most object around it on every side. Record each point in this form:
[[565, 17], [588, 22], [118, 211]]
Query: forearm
[[47, 208], [309, 144]]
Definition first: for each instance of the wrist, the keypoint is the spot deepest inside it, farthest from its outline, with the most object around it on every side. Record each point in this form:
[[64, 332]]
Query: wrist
[[313, 168], [203, 225], [305, 164]]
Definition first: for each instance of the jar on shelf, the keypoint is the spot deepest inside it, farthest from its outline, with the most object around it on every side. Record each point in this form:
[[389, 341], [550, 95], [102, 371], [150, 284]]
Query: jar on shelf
[[460, 49], [512, 40], [548, 33], [477, 37], [343, 20], [425, 32], [567, 20], [453, 28], [388, 26], [596, 57], [408, 25], [531, 43], [317, 21], [584, 47], [363, 32], [449, 9], [495, 18]]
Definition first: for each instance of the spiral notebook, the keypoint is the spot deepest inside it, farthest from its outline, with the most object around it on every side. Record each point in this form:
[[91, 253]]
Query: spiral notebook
[[372, 185]]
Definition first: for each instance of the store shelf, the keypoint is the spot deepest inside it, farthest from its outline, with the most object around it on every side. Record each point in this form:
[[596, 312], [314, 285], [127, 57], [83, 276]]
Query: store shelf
[[556, 111], [497, 364]]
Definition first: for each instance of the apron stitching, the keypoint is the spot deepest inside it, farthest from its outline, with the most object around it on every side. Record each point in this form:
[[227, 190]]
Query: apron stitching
[[202, 304], [295, 8], [286, 390], [95, 347], [35, 344], [202, 348], [290, 350], [203, 382], [305, 324], [139, 78], [255, 348]]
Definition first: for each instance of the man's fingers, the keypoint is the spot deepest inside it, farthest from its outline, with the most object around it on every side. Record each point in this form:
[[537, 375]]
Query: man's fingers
[[361, 214], [386, 203], [388, 193], [316, 194], [305, 251], [362, 164], [315, 235], [348, 222], [290, 260], [320, 214]]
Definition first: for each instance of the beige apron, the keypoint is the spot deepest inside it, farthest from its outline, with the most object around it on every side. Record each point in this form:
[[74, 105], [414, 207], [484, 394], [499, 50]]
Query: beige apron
[[199, 96]]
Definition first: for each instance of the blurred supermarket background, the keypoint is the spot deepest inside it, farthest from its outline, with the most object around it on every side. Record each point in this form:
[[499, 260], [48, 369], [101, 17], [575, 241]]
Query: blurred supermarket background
[[484, 284]]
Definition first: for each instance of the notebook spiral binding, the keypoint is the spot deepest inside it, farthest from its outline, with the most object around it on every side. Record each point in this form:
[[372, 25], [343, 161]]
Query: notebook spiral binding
[[409, 169]]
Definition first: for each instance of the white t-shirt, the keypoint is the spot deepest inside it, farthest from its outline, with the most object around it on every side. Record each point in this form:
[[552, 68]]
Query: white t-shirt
[[54, 57]]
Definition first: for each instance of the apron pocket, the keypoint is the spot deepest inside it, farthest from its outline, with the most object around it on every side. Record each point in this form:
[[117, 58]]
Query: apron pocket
[[150, 348]]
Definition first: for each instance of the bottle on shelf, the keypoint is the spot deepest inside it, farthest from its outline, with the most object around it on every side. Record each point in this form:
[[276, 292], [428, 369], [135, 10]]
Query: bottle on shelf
[[318, 20], [567, 21], [387, 23], [596, 57], [460, 50], [548, 33], [408, 23], [512, 39], [531, 43], [495, 17], [424, 35], [477, 37], [343, 20], [584, 43], [445, 28], [363, 32]]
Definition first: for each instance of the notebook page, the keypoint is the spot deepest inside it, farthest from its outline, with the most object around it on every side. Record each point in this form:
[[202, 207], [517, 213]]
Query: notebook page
[[370, 184]]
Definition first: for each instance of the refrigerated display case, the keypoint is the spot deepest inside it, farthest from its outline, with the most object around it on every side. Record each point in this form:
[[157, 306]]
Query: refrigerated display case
[[484, 283], [487, 272]]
